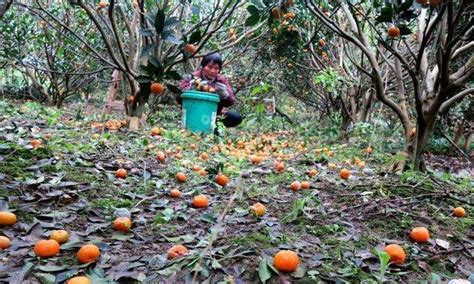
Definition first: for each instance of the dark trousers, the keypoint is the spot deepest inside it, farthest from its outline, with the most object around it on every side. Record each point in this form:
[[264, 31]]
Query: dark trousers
[[232, 119]]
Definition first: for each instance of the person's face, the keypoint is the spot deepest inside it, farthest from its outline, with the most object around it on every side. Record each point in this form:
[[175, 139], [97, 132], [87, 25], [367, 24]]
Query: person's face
[[211, 70]]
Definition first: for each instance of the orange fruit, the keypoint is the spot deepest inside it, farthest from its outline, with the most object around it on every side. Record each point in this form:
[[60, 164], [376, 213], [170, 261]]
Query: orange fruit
[[200, 201], [161, 157], [202, 172], [222, 180], [192, 146], [286, 261], [79, 280], [420, 234], [7, 218], [122, 224], [368, 150], [256, 159], [155, 131], [276, 13], [330, 153], [459, 212], [258, 209], [313, 172], [332, 166], [190, 48], [322, 42], [181, 177], [175, 193], [177, 251], [47, 136], [295, 186], [396, 253], [204, 156], [88, 253], [344, 173], [103, 4], [4, 242], [196, 168], [121, 173], [35, 143], [305, 185], [393, 31], [131, 99], [157, 88], [46, 248], [280, 167], [61, 236]]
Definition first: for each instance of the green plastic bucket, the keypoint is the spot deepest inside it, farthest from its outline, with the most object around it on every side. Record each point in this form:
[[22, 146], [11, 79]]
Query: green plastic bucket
[[199, 111]]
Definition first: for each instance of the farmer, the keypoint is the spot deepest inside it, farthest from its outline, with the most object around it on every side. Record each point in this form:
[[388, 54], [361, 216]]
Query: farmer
[[209, 75]]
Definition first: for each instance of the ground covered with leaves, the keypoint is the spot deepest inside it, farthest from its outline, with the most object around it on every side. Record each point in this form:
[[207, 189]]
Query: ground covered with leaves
[[337, 226]]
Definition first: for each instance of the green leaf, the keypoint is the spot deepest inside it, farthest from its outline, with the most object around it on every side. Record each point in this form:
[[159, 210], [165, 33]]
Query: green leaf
[[172, 74], [45, 278], [209, 218], [252, 20], [174, 89], [253, 10], [51, 268], [435, 278], [195, 37], [143, 79], [160, 21], [172, 21], [215, 264], [264, 272], [404, 30], [386, 15]]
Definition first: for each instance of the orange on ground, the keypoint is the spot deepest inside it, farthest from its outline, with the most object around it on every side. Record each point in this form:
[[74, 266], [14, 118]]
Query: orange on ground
[[200, 201], [295, 186], [155, 131], [35, 143], [103, 4], [256, 159], [161, 157], [420, 234], [286, 261], [181, 177], [46, 248], [368, 150], [190, 48], [313, 172], [305, 185], [79, 280], [175, 193], [196, 168], [177, 251], [88, 253], [121, 173], [7, 218], [61, 236], [459, 212], [222, 180], [280, 167], [322, 42], [157, 88], [131, 99], [122, 224], [4, 242], [332, 166], [396, 253], [202, 172], [204, 156], [393, 31], [192, 146], [344, 174], [258, 209]]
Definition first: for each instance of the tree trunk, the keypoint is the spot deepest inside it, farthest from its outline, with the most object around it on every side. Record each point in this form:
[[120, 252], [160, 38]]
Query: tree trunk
[[424, 131]]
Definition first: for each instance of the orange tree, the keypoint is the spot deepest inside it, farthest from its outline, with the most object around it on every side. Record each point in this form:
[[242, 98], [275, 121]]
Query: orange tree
[[51, 62], [143, 41], [425, 48]]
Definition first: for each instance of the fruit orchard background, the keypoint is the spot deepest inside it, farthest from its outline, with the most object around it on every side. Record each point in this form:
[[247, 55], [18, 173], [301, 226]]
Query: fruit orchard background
[[357, 115]]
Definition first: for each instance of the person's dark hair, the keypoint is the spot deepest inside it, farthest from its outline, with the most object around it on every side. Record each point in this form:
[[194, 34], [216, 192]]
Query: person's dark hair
[[212, 58]]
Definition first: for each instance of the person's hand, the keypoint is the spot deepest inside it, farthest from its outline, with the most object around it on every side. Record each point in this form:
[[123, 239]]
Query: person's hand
[[221, 90]]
